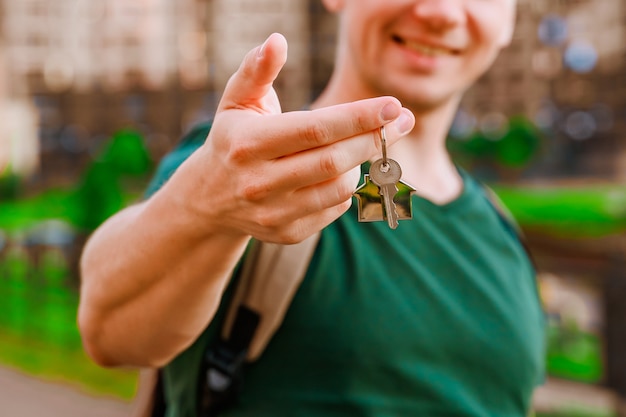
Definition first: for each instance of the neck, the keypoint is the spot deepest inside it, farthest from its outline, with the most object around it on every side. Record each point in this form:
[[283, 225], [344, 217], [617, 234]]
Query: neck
[[422, 154], [424, 158]]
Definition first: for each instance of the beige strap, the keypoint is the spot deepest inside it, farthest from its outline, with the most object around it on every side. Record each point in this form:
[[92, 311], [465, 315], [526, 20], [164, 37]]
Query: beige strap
[[269, 279], [144, 397]]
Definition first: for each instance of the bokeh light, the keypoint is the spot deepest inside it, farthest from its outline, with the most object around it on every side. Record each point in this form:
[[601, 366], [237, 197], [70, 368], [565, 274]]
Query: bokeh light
[[552, 30], [547, 62], [580, 125], [580, 56], [494, 125]]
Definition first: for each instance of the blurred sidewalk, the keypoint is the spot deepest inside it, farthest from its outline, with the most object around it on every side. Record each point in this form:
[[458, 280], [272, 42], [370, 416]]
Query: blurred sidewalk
[[25, 396]]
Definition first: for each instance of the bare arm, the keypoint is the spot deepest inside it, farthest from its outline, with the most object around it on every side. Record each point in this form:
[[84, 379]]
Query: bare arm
[[153, 275], [151, 283]]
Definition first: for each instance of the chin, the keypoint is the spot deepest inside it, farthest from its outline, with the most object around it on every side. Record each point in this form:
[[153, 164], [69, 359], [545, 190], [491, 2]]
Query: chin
[[424, 96]]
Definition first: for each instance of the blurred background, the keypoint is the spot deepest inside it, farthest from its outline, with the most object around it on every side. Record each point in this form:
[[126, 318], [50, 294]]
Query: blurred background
[[94, 92]]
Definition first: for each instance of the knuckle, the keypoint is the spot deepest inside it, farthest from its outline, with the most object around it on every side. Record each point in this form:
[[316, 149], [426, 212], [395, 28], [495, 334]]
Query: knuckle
[[332, 161], [289, 238], [268, 219], [255, 190], [240, 151], [290, 235], [345, 188], [328, 163], [279, 227], [315, 134], [361, 124]]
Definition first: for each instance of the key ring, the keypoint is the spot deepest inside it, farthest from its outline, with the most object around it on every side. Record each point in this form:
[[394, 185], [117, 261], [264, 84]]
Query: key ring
[[383, 141]]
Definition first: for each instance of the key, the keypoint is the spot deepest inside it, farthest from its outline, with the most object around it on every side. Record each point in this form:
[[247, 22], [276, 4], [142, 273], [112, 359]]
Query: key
[[385, 173]]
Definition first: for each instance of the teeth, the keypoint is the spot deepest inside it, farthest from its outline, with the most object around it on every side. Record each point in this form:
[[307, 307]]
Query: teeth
[[427, 50]]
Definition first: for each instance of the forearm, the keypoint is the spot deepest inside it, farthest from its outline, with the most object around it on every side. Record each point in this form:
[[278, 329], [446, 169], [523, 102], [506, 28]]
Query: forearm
[[151, 282]]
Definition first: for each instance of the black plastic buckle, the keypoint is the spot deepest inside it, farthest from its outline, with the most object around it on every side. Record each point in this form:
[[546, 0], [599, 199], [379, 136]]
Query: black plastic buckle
[[224, 363], [224, 366]]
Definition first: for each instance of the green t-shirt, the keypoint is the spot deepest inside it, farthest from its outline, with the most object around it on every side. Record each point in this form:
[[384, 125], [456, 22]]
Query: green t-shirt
[[439, 317]]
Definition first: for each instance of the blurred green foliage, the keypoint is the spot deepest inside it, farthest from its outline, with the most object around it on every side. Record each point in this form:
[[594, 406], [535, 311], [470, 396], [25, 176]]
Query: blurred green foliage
[[99, 193], [514, 147], [10, 185], [38, 331]]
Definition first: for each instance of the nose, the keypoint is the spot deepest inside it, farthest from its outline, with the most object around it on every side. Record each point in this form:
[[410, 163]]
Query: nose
[[440, 15]]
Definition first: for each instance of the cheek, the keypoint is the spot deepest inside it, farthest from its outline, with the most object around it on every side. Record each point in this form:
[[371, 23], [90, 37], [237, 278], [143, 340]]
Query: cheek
[[492, 22], [487, 36]]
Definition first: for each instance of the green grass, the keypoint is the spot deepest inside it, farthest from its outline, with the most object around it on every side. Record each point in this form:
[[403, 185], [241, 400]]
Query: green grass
[[65, 364], [582, 212], [38, 331]]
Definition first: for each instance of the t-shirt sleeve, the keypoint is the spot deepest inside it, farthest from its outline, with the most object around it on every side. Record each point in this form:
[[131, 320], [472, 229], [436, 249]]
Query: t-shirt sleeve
[[170, 162]]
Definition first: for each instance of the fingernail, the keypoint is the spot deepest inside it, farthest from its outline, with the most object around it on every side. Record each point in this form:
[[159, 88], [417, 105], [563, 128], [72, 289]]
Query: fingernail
[[261, 50], [389, 112], [404, 123]]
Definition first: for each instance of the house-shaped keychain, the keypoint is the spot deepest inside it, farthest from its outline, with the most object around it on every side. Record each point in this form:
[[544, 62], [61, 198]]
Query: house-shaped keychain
[[370, 208]]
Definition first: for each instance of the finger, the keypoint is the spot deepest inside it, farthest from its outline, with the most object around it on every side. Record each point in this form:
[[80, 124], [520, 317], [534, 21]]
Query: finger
[[253, 80], [293, 132], [321, 164], [325, 195], [303, 226]]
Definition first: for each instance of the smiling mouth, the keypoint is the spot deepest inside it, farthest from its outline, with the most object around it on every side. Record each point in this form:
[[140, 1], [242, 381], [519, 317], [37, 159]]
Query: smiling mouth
[[428, 50]]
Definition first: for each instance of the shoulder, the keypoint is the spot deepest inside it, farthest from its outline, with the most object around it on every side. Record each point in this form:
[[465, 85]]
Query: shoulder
[[505, 216], [189, 143], [502, 210]]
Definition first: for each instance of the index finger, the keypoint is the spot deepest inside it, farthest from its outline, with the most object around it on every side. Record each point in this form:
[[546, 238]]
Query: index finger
[[288, 133]]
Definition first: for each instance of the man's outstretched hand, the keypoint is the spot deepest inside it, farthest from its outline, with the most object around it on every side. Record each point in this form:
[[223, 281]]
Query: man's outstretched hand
[[280, 177]]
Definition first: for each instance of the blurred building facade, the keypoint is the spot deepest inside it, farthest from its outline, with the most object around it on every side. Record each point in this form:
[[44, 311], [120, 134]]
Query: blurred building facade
[[19, 141], [565, 71], [91, 67]]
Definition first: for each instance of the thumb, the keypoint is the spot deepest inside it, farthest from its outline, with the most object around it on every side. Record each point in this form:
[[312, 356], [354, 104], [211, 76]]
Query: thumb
[[253, 80]]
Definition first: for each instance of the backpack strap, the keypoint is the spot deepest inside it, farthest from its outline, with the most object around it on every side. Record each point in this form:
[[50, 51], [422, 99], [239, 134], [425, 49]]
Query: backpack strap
[[266, 287], [148, 401], [269, 279], [509, 221], [502, 210]]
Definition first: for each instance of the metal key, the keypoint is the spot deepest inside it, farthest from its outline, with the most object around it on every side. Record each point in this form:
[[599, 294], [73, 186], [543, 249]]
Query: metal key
[[385, 173]]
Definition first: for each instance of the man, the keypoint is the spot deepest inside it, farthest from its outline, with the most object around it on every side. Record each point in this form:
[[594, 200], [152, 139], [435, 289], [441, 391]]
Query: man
[[439, 317]]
